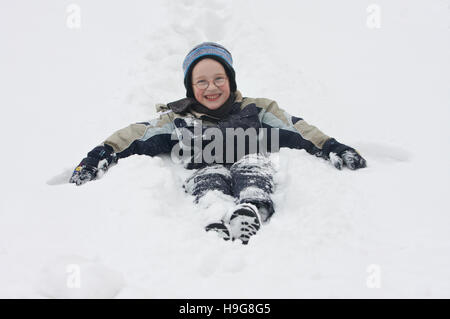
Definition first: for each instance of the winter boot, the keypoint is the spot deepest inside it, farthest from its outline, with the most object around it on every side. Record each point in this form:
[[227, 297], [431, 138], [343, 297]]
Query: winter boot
[[244, 222], [222, 230]]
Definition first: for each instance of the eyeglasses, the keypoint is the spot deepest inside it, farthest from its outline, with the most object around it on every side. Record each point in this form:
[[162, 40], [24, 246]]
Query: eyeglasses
[[203, 84]]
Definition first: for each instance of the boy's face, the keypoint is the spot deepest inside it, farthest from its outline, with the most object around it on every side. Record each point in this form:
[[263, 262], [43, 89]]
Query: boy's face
[[210, 70]]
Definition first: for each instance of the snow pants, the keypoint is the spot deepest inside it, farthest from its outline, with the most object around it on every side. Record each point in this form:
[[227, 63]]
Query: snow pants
[[249, 180]]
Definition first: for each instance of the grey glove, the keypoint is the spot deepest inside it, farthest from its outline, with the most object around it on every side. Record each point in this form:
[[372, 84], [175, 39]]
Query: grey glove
[[94, 165], [83, 174], [341, 155], [349, 158]]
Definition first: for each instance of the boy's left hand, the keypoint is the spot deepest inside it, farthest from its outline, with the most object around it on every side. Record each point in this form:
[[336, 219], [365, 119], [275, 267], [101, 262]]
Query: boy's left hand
[[349, 158]]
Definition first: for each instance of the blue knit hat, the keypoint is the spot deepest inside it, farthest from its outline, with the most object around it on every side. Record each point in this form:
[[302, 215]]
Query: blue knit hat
[[208, 50]]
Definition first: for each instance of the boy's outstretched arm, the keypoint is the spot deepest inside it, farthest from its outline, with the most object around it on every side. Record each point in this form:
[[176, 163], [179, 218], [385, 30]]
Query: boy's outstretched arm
[[294, 132], [144, 138]]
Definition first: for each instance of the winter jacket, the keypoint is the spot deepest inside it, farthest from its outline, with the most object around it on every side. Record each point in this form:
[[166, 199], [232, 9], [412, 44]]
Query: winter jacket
[[161, 134]]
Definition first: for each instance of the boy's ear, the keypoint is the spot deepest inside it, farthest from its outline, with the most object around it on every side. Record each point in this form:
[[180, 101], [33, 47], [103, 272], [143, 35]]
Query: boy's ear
[[181, 106]]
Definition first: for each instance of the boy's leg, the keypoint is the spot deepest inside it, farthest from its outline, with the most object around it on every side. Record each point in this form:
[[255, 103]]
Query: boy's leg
[[212, 177], [252, 182]]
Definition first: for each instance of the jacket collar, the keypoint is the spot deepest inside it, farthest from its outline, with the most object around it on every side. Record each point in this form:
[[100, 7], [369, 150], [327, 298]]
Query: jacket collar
[[238, 97]]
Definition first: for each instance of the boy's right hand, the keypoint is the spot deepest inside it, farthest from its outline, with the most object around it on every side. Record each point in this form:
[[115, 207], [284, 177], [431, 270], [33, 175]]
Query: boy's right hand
[[98, 160], [83, 174]]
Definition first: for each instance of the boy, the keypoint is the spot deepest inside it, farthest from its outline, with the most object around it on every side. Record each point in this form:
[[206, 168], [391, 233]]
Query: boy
[[214, 113]]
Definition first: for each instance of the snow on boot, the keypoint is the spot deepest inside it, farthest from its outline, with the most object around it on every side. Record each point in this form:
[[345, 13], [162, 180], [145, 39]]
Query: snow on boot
[[244, 222], [221, 229]]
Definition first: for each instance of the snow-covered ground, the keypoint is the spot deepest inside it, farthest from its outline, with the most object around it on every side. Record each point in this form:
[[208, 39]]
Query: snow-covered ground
[[379, 232]]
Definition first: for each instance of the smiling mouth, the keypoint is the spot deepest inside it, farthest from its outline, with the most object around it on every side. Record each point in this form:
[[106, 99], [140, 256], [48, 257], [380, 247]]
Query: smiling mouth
[[212, 97]]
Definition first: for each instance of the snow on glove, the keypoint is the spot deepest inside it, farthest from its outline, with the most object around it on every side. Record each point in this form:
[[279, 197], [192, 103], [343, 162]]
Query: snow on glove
[[349, 158], [94, 165], [83, 174], [342, 155]]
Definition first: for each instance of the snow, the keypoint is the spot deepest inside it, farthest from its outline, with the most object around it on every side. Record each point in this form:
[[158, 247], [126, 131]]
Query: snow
[[134, 233]]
